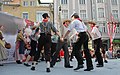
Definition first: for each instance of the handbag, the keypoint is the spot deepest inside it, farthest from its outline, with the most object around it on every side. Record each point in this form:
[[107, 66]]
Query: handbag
[[7, 45]]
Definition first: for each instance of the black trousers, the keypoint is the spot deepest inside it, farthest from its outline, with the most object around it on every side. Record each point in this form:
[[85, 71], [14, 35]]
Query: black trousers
[[64, 46], [53, 48], [82, 40], [97, 44], [44, 41], [33, 45]]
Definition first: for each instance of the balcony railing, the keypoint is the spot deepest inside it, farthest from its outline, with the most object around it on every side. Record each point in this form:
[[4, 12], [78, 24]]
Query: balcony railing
[[10, 3], [7, 0]]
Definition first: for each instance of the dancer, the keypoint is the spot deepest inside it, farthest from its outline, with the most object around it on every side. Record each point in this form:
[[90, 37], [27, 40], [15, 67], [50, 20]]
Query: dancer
[[82, 40], [44, 41], [62, 45], [96, 37]]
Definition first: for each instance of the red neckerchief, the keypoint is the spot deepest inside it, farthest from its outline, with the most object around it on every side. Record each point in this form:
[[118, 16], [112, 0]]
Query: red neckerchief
[[79, 19], [92, 27], [65, 25], [45, 20]]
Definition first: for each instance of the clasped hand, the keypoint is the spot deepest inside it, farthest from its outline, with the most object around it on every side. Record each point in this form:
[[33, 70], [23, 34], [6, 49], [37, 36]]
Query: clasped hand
[[62, 39]]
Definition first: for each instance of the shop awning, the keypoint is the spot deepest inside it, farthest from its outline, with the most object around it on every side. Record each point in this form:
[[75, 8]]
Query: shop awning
[[116, 41]]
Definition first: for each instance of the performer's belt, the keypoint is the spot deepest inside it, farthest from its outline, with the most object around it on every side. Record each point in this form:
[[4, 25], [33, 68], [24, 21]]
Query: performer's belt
[[45, 33], [81, 32]]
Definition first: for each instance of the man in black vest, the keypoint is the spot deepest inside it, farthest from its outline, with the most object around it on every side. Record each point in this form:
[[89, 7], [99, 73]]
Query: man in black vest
[[45, 41]]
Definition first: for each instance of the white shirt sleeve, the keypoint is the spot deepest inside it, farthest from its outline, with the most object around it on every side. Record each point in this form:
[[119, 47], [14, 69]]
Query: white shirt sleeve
[[82, 23], [71, 26]]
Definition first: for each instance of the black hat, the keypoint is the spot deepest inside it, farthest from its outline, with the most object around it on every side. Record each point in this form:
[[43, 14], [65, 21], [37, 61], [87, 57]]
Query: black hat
[[45, 15], [75, 15]]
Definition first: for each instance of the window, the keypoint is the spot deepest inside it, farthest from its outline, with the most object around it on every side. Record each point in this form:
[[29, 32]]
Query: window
[[5, 2], [115, 14], [101, 12], [63, 1], [39, 15], [83, 14], [82, 1], [32, 3], [25, 3], [100, 1], [102, 28], [64, 14], [25, 15], [114, 2]]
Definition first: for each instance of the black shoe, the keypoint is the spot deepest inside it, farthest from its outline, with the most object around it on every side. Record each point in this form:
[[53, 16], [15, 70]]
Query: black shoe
[[33, 68], [26, 64], [47, 69], [78, 67], [18, 62], [99, 66], [89, 69], [106, 61], [1, 65], [68, 66]]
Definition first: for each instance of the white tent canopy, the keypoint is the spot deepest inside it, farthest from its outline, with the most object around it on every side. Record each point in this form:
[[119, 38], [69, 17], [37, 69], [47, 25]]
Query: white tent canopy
[[11, 23]]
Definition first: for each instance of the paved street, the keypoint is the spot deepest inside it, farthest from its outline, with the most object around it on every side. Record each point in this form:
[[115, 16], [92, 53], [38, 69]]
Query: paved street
[[111, 68]]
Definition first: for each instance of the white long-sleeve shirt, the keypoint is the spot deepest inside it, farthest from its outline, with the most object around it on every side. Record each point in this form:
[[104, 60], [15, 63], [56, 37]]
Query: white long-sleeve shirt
[[78, 25], [73, 38], [95, 33]]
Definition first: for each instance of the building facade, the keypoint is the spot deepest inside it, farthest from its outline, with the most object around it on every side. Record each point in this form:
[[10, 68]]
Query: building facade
[[27, 9], [99, 11]]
